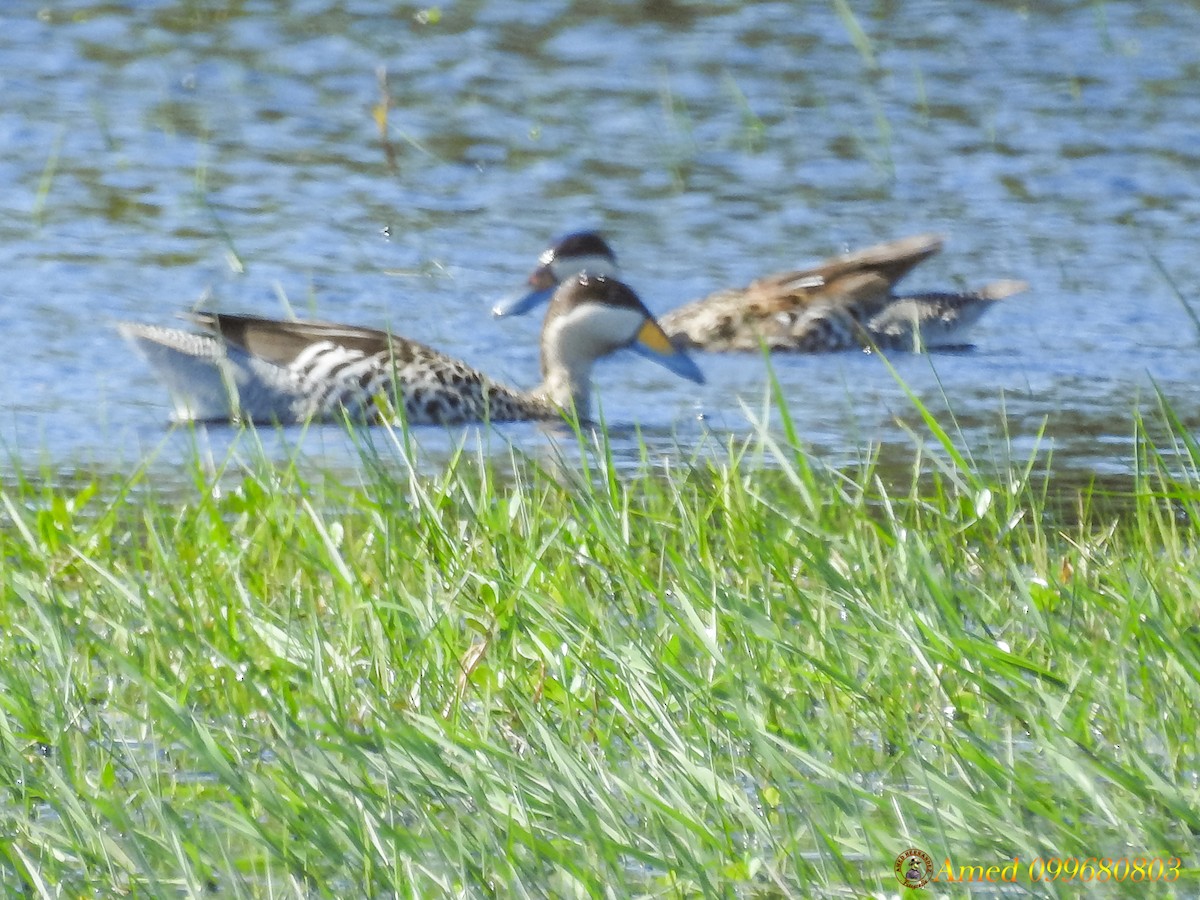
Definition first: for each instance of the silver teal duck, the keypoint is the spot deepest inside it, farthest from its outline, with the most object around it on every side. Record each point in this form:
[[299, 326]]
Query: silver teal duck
[[841, 303], [251, 369]]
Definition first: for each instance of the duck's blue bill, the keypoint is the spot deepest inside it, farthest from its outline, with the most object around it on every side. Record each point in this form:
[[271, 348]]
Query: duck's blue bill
[[518, 306]]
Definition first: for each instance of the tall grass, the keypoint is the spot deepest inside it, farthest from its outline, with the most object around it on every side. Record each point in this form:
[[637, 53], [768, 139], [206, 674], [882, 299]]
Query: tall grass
[[751, 677]]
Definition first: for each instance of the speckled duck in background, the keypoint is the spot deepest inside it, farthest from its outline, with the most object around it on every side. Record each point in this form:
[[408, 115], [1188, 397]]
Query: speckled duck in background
[[845, 302]]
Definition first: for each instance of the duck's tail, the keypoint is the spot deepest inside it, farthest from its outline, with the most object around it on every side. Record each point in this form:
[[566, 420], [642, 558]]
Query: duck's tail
[[204, 382], [998, 290]]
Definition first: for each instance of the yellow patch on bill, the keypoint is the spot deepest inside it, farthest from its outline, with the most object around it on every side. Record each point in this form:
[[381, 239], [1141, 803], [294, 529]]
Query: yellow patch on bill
[[654, 338]]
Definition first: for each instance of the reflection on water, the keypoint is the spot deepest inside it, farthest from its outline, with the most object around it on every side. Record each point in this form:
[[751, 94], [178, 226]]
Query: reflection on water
[[162, 153]]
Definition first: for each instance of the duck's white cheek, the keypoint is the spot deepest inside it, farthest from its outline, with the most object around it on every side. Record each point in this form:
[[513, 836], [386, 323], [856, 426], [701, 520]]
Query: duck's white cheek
[[611, 326]]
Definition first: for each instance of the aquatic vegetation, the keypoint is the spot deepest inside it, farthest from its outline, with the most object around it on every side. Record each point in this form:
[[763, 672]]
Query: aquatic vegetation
[[732, 673]]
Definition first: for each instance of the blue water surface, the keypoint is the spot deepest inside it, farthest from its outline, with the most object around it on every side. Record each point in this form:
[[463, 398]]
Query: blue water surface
[[162, 154]]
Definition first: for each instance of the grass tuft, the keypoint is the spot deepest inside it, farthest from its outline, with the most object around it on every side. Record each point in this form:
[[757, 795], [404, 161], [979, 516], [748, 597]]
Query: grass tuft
[[509, 676]]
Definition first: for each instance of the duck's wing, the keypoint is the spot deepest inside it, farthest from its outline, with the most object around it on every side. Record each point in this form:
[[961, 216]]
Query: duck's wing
[[883, 263], [281, 342]]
